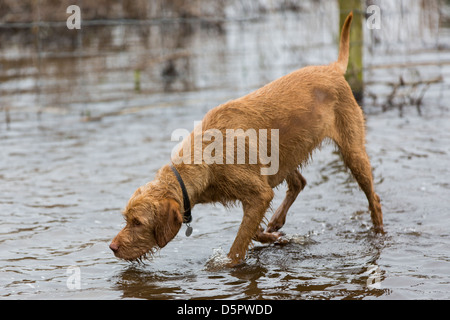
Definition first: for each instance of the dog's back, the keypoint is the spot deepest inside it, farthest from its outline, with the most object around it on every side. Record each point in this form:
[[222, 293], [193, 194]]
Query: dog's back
[[300, 105]]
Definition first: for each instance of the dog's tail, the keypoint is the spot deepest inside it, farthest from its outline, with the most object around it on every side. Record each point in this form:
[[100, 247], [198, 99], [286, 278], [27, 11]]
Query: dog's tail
[[344, 45]]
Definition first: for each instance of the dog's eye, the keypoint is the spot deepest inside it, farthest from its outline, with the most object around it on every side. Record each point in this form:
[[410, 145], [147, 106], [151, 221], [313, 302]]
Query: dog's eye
[[136, 223]]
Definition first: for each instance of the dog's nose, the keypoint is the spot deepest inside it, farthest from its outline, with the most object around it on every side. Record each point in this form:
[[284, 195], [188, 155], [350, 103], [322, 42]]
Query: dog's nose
[[114, 246]]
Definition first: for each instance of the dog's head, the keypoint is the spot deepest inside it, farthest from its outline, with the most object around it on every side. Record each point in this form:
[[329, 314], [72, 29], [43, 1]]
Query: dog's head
[[151, 222]]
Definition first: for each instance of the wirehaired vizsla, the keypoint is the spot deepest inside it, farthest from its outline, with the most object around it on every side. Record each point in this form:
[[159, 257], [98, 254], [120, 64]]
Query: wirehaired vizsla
[[305, 106]]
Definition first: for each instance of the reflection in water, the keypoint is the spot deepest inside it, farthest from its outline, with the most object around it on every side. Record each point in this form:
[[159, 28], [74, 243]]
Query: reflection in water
[[109, 65], [269, 272], [139, 283]]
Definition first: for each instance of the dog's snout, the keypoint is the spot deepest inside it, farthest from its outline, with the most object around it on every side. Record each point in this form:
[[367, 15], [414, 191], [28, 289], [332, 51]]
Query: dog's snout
[[114, 246]]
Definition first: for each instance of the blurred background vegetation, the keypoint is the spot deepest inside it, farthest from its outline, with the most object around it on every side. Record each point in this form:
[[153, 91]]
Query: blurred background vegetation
[[137, 53]]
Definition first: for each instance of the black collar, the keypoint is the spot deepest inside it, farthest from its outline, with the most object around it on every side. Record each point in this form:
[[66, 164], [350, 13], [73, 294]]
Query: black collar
[[187, 217]]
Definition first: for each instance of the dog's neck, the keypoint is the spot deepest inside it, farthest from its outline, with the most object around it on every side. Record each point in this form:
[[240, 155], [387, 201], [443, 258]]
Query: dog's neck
[[187, 217], [167, 176]]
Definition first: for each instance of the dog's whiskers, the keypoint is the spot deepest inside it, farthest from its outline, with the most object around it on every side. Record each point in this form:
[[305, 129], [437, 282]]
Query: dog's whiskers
[[145, 256]]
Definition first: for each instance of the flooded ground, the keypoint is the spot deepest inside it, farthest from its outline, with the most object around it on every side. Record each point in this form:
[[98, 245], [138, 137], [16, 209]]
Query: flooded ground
[[73, 152]]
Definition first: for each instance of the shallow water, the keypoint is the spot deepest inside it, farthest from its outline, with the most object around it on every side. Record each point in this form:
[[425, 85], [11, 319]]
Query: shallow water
[[64, 182]]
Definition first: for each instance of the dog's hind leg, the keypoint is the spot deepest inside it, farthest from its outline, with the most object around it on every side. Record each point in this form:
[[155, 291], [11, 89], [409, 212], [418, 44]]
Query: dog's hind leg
[[351, 142], [358, 163], [296, 183]]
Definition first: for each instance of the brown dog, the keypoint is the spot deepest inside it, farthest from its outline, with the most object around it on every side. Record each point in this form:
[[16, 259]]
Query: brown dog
[[305, 107]]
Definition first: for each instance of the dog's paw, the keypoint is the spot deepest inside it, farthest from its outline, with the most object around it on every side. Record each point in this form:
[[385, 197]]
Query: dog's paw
[[282, 240], [267, 237]]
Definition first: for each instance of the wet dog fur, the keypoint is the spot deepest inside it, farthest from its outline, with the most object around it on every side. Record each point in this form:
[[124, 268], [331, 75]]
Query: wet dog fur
[[306, 106]]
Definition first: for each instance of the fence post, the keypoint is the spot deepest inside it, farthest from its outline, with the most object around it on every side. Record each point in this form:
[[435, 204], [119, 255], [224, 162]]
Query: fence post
[[354, 73]]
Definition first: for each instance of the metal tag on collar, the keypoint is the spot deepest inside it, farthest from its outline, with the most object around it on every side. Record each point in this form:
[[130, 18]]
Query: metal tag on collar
[[187, 220], [188, 230]]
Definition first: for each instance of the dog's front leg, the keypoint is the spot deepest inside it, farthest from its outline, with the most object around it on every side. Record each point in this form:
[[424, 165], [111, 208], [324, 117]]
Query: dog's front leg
[[254, 211]]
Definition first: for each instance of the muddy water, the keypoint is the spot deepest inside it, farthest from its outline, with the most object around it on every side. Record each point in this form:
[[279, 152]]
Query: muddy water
[[64, 181]]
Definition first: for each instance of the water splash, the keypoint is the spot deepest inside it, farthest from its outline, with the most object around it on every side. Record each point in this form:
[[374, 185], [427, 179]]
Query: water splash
[[296, 239], [219, 260]]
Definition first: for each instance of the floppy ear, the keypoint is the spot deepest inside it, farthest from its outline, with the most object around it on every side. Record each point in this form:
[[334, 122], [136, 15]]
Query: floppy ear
[[169, 221]]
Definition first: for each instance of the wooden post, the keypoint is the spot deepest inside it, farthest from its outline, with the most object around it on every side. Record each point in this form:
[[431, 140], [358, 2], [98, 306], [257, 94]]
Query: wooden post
[[354, 73]]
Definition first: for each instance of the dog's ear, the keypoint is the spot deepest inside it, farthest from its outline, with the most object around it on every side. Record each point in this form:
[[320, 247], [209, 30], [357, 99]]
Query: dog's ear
[[168, 222]]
